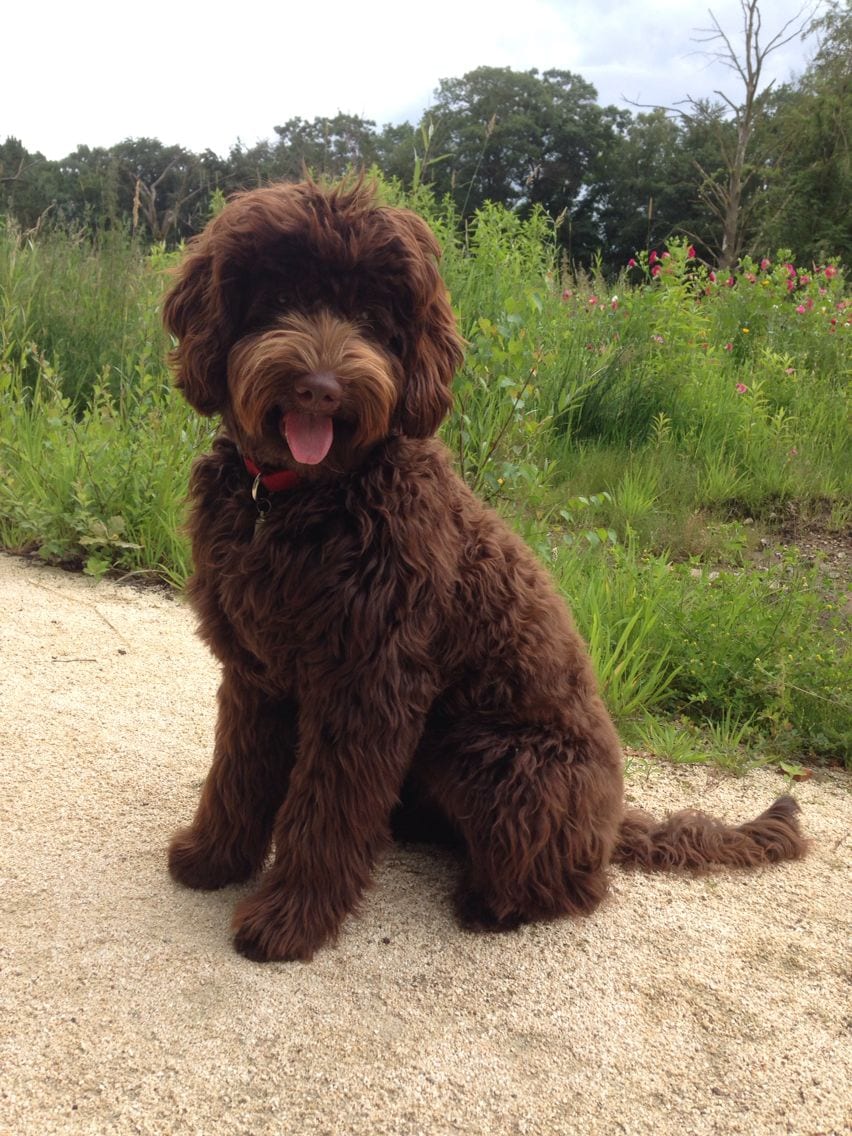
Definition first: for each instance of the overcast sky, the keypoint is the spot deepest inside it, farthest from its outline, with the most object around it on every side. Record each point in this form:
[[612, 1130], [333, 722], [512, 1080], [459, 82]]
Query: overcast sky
[[203, 75]]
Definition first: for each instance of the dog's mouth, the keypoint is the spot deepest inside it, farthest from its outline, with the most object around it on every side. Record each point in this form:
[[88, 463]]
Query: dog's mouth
[[294, 437], [310, 391], [309, 436]]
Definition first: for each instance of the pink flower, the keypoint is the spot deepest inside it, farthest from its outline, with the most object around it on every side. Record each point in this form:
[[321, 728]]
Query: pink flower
[[804, 280], [790, 270], [593, 300], [752, 279], [712, 277], [765, 265], [729, 346], [741, 388], [801, 309], [656, 270], [567, 294], [667, 256], [632, 263], [691, 253], [730, 282], [653, 258], [830, 271]]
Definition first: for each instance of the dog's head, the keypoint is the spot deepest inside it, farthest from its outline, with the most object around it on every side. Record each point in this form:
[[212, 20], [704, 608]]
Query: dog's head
[[316, 322]]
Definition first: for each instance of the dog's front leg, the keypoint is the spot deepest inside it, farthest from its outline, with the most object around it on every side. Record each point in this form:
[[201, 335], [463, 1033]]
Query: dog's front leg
[[232, 828], [333, 823]]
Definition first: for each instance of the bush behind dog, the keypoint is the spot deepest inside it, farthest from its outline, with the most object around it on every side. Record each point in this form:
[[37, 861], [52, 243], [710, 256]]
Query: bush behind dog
[[627, 428]]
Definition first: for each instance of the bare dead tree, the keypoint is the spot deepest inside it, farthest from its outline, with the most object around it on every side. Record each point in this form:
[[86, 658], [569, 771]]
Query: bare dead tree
[[725, 194], [734, 120], [162, 219]]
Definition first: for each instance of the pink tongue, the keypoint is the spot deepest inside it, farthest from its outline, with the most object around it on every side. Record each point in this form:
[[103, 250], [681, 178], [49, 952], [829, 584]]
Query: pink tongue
[[309, 436]]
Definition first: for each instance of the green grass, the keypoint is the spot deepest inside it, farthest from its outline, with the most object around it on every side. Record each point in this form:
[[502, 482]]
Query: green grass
[[103, 488], [642, 434]]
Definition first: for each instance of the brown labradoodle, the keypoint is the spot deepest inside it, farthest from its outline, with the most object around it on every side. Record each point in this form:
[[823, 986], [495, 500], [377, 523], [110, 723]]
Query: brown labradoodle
[[388, 646]]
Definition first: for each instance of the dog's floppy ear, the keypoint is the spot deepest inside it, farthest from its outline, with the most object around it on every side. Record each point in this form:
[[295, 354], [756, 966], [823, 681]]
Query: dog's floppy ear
[[194, 312], [433, 347], [431, 362]]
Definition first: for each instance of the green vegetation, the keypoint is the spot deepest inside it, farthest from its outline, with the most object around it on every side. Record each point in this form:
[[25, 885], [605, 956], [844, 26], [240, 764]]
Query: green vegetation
[[654, 437]]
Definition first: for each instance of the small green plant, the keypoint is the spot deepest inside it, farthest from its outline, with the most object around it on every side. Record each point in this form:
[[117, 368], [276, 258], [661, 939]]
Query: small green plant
[[573, 508], [635, 497], [672, 740], [620, 625], [728, 737], [719, 480]]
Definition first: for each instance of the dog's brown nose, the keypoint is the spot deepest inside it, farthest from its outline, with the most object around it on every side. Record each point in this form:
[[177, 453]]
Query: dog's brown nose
[[319, 392]]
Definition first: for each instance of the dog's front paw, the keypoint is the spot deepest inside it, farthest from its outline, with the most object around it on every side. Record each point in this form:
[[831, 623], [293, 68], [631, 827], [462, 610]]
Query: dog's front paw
[[268, 927], [193, 863]]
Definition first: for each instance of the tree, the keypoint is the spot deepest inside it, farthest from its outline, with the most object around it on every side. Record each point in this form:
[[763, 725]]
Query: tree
[[327, 147], [650, 191], [806, 205], [27, 183], [90, 189], [249, 167], [518, 137]]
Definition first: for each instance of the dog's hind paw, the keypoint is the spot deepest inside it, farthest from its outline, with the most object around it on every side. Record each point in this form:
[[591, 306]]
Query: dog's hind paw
[[474, 913]]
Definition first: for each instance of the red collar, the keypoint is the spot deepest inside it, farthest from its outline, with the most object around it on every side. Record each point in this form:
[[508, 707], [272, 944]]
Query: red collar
[[274, 482]]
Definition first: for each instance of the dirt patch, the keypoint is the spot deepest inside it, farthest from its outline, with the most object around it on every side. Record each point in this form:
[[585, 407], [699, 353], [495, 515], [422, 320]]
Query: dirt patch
[[713, 1005]]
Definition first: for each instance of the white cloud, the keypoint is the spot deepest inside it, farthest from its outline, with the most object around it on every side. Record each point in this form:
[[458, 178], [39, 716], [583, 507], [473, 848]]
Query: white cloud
[[189, 73]]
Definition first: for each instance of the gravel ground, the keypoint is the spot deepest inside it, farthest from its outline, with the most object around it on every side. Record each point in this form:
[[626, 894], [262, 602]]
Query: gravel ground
[[713, 1005]]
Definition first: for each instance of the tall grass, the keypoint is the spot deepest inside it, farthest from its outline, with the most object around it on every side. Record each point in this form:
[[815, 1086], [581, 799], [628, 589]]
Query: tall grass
[[90, 309], [629, 429]]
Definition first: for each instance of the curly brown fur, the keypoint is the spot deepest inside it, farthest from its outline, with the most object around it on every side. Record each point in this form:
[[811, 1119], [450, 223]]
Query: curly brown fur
[[392, 655]]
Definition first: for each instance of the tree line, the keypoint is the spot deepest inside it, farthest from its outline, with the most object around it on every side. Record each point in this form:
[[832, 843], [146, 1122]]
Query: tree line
[[755, 169]]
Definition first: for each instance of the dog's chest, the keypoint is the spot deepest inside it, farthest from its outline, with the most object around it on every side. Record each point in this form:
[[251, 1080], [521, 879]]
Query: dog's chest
[[286, 590]]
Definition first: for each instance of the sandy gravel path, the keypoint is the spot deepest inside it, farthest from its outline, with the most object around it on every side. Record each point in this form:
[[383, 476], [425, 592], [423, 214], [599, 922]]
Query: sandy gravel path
[[684, 1006]]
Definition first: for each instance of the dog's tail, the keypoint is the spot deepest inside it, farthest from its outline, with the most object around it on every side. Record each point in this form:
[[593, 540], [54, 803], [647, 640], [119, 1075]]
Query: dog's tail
[[695, 841]]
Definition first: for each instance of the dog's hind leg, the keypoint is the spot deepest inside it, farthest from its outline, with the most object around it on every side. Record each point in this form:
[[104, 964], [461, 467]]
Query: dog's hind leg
[[232, 829], [540, 816]]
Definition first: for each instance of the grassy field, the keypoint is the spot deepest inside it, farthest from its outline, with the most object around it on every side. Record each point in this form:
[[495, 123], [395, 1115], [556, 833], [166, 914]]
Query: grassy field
[[665, 441]]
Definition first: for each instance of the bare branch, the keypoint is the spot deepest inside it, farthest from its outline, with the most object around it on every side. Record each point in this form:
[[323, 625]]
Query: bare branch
[[750, 67], [23, 166]]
